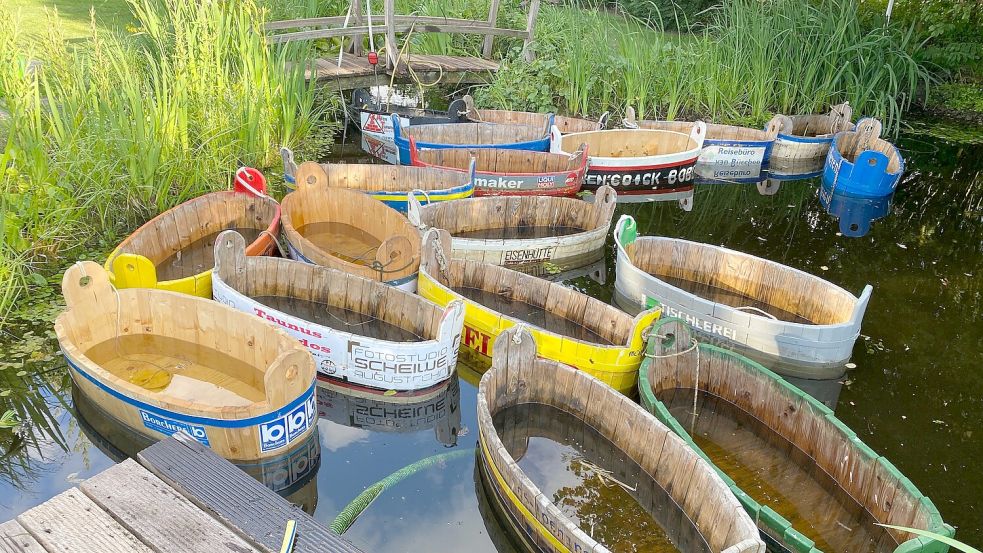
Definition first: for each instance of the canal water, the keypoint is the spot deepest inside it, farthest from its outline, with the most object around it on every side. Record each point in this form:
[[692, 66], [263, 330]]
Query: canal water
[[914, 391]]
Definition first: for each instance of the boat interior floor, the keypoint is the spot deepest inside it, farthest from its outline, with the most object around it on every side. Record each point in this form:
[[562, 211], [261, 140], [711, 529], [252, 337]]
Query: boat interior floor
[[339, 318], [185, 371], [734, 299], [344, 241], [199, 256]]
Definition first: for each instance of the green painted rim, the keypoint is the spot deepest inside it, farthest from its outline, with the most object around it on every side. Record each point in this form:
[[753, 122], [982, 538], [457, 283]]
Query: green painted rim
[[777, 526]]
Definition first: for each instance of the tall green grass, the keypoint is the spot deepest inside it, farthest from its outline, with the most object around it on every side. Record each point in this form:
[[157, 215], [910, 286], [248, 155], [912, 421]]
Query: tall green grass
[[754, 58], [116, 128]]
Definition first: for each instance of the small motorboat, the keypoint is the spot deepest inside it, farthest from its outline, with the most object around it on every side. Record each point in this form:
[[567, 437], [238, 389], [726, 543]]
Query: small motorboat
[[527, 135], [352, 232], [639, 164], [807, 138], [373, 109], [439, 409], [860, 163], [521, 230], [524, 400], [173, 251], [160, 362], [570, 327], [501, 172], [358, 330], [772, 312], [390, 185], [803, 476], [729, 152]]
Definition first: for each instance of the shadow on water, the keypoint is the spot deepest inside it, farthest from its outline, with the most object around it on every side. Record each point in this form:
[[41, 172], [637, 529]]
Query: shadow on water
[[914, 394]]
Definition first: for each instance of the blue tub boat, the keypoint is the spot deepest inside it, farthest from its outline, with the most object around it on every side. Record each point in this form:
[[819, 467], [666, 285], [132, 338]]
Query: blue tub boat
[[860, 163], [855, 213], [533, 137]]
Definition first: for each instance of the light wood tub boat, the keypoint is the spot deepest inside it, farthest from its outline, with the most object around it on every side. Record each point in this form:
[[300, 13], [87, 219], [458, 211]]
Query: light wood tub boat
[[390, 185], [639, 164], [352, 232], [583, 332], [819, 473], [439, 409], [807, 138], [729, 152], [529, 136], [515, 231], [501, 172], [160, 362], [770, 311], [860, 163], [358, 330], [173, 251], [519, 378], [566, 124]]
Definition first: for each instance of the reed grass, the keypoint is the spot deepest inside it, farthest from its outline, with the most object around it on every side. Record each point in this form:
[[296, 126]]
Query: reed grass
[[114, 129], [753, 58]]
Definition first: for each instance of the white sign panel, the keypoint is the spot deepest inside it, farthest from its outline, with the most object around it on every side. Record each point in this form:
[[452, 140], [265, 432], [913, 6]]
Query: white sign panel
[[731, 162]]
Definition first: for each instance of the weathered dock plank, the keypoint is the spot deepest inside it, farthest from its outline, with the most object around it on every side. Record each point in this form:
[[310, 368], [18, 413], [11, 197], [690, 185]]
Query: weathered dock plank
[[236, 499], [162, 518], [15, 539], [70, 522]]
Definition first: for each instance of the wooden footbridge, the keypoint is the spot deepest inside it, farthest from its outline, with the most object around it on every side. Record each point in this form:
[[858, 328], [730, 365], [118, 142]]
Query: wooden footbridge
[[352, 68]]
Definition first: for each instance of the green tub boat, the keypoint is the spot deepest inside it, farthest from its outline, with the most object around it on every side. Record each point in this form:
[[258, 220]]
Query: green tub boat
[[807, 480]]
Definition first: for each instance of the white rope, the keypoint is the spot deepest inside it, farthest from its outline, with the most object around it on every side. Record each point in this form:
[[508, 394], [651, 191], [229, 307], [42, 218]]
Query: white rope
[[368, 9], [759, 311], [341, 49]]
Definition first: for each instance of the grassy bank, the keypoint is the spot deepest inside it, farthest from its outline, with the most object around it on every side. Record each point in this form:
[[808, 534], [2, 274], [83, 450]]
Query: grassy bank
[[112, 129]]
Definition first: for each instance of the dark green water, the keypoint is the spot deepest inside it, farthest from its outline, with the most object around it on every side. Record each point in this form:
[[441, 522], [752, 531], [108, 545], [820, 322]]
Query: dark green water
[[915, 396]]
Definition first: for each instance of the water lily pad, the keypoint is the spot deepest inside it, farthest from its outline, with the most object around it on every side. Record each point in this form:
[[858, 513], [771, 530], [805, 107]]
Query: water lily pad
[[154, 380]]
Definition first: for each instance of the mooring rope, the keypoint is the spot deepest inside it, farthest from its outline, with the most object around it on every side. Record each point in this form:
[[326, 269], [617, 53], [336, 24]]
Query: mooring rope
[[351, 512]]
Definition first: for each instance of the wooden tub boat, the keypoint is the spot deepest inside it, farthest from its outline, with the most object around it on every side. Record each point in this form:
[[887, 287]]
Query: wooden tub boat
[[388, 184], [773, 312], [160, 362], [531, 136], [373, 109], [860, 163], [515, 231], [639, 164], [501, 172], [728, 152], [570, 327], [439, 409], [807, 138], [680, 492], [855, 214], [173, 251], [352, 232], [566, 124], [358, 330], [804, 477]]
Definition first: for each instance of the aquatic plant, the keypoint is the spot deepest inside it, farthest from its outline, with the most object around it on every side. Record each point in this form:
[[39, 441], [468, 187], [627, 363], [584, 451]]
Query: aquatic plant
[[753, 59], [103, 133]]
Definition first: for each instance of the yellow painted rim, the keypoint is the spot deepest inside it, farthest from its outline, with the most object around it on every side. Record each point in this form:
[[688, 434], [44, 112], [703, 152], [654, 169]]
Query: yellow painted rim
[[526, 514]]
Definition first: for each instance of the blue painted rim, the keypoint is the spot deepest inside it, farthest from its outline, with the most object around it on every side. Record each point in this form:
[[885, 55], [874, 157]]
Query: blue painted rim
[[192, 419]]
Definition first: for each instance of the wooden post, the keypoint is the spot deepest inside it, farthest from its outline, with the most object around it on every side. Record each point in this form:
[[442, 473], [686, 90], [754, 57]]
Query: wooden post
[[392, 50], [531, 29], [357, 17], [489, 39]]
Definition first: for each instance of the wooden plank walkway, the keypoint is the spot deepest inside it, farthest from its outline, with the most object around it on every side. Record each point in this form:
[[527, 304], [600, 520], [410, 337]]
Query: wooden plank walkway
[[356, 72], [180, 498]]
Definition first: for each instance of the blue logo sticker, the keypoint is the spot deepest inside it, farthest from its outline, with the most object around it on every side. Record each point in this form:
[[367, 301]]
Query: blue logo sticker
[[276, 434], [168, 426]]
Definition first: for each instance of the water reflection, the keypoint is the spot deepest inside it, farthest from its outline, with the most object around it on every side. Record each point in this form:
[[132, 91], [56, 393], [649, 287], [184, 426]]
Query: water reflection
[[854, 213], [292, 475], [439, 409]]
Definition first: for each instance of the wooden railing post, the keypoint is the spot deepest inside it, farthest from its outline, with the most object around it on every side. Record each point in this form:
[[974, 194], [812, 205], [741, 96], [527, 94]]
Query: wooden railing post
[[492, 20], [392, 51], [357, 18], [531, 30]]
